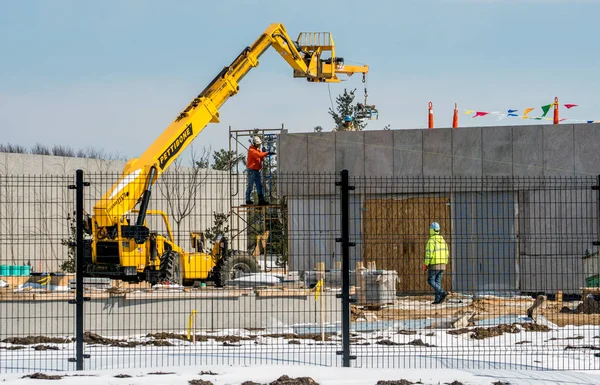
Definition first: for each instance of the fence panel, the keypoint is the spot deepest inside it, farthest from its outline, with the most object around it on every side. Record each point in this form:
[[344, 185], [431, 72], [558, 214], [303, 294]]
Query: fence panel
[[513, 243], [511, 291], [36, 225]]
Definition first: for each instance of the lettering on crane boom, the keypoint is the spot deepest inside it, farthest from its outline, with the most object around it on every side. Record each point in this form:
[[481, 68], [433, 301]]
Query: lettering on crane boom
[[117, 201], [174, 148]]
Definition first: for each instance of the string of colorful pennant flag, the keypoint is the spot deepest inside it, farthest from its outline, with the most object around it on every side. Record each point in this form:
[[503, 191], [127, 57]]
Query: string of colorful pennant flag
[[526, 113]]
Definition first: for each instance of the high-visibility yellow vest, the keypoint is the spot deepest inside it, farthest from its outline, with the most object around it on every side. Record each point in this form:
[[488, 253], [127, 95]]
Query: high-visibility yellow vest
[[436, 251]]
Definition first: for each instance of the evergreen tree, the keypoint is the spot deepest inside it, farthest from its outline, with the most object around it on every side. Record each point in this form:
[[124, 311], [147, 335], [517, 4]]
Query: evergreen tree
[[345, 106], [226, 160]]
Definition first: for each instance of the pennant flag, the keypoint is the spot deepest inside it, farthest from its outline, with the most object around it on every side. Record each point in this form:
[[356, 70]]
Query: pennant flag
[[536, 118], [480, 113], [511, 112], [562, 119], [526, 112], [546, 108], [570, 106], [468, 112]]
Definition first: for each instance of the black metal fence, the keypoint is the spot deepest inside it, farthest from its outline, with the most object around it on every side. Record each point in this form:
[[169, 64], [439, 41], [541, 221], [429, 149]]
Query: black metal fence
[[329, 273]]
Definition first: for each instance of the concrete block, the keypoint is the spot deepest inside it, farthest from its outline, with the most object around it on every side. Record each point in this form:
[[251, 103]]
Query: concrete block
[[437, 152], [559, 151], [321, 152], [379, 153], [466, 152], [587, 156], [292, 153], [528, 150], [350, 152], [496, 145], [408, 152]]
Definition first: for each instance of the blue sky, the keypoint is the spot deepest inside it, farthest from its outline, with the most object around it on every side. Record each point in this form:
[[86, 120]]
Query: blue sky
[[113, 74]]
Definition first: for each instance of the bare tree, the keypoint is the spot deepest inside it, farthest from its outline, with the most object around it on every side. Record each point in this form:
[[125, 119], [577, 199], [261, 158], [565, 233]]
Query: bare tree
[[60, 150], [40, 149], [179, 185], [13, 148]]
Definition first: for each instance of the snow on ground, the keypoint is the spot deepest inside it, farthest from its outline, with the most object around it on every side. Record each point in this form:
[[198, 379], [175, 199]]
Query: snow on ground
[[516, 357], [519, 355], [231, 375]]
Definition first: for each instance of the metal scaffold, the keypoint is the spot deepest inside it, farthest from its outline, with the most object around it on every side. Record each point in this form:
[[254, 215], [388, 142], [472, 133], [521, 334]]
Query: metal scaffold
[[260, 229]]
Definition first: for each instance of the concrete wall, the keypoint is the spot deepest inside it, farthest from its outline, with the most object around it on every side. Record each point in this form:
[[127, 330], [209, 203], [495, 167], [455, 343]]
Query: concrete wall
[[533, 259], [565, 149], [141, 313]]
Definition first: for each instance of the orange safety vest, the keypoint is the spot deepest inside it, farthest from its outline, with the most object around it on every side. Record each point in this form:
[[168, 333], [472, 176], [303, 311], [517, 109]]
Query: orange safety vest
[[255, 156]]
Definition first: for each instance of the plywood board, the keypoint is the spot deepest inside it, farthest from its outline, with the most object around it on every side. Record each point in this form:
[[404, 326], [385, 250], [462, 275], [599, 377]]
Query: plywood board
[[395, 232]]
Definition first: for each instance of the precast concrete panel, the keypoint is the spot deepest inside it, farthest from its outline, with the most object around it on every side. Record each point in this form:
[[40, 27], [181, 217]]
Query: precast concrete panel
[[321, 152], [484, 242], [466, 152], [559, 152], [587, 155], [528, 150], [379, 153], [551, 273], [437, 152], [408, 152], [295, 160], [496, 144], [350, 152], [312, 237]]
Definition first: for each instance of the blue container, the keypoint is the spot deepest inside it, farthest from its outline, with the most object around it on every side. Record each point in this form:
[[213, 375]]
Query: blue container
[[25, 270], [13, 271], [3, 270]]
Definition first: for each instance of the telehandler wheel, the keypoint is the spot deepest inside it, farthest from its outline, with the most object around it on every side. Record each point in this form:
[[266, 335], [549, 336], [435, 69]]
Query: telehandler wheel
[[234, 266], [170, 268]]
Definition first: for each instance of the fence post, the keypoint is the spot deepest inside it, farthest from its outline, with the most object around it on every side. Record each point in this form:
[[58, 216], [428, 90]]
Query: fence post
[[78, 187], [345, 240], [597, 188]]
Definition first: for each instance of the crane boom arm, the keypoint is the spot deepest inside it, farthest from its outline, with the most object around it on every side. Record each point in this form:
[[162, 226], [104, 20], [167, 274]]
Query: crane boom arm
[[303, 55]]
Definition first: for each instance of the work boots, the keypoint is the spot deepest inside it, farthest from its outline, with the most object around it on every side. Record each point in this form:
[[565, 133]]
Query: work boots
[[262, 201]]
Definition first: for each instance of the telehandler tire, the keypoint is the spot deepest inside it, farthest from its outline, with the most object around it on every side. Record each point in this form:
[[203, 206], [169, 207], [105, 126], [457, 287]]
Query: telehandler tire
[[234, 266], [170, 268]]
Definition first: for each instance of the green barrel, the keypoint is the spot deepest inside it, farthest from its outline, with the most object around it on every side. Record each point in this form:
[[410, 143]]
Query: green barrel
[[25, 270], [13, 271]]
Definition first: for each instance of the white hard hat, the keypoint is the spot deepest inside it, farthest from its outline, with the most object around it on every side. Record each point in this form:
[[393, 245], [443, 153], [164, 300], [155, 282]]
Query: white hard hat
[[256, 141]]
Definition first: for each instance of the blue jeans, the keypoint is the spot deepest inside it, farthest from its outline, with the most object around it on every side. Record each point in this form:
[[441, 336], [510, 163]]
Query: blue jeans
[[434, 279], [254, 179]]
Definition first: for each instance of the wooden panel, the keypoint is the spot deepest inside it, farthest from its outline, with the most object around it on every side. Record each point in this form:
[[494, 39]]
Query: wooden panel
[[395, 232]]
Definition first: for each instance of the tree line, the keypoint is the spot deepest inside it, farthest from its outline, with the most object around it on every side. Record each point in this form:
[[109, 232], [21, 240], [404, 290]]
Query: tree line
[[222, 159]]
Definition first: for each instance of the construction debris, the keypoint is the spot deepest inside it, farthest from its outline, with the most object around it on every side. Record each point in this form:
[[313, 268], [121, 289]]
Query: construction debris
[[537, 306]]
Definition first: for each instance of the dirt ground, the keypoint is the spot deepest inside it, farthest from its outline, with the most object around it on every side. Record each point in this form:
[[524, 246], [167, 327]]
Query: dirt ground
[[484, 308]]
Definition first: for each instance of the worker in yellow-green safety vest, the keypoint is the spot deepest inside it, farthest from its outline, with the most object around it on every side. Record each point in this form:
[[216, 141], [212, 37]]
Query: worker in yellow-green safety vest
[[436, 259]]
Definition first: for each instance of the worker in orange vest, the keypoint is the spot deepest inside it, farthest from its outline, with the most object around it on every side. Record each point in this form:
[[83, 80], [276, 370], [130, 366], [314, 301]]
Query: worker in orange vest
[[254, 164]]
